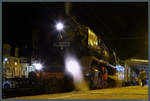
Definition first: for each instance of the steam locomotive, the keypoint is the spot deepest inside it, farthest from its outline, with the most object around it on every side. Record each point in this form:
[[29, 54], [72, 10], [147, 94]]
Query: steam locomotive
[[80, 42]]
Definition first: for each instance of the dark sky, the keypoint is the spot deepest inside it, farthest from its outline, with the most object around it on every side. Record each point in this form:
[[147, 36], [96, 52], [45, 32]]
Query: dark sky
[[122, 26]]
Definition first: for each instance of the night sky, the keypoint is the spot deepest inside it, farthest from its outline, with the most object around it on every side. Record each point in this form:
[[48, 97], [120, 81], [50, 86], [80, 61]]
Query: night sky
[[122, 26]]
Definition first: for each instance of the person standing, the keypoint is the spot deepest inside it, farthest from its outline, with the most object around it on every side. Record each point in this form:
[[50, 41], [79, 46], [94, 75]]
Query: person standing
[[142, 77], [104, 77]]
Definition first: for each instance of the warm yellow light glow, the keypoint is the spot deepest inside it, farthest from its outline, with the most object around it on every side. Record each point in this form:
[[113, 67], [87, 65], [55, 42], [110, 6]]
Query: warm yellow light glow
[[15, 63], [96, 70], [92, 38]]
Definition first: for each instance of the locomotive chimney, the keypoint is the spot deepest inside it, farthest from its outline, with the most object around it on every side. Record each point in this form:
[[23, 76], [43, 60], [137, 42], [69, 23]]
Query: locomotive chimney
[[68, 8]]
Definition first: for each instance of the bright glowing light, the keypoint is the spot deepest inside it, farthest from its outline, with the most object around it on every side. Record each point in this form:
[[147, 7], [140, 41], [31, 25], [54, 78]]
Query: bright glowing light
[[15, 63], [59, 26], [73, 67], [120, 68], [37, 66], [96, 43], [34, 64], [120, 72], [5, 59], [96, 70]]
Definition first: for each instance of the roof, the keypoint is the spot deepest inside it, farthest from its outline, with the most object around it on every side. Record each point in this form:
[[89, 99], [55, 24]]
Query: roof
[[139, 60]]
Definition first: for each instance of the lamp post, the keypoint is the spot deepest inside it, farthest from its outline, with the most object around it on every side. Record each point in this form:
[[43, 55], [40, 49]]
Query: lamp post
[[38, 67], [59, 26]]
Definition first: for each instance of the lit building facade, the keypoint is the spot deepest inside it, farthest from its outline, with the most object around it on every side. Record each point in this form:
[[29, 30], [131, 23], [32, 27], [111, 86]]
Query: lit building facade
[[133, 67], [13, 66]]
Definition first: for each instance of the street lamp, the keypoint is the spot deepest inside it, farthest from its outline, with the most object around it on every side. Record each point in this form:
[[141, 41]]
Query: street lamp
[[59, 26], [38, 66], [15, 63], [5, 59]]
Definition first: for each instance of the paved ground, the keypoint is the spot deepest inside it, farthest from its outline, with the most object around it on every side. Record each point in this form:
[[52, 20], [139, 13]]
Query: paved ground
[[131, 92]]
